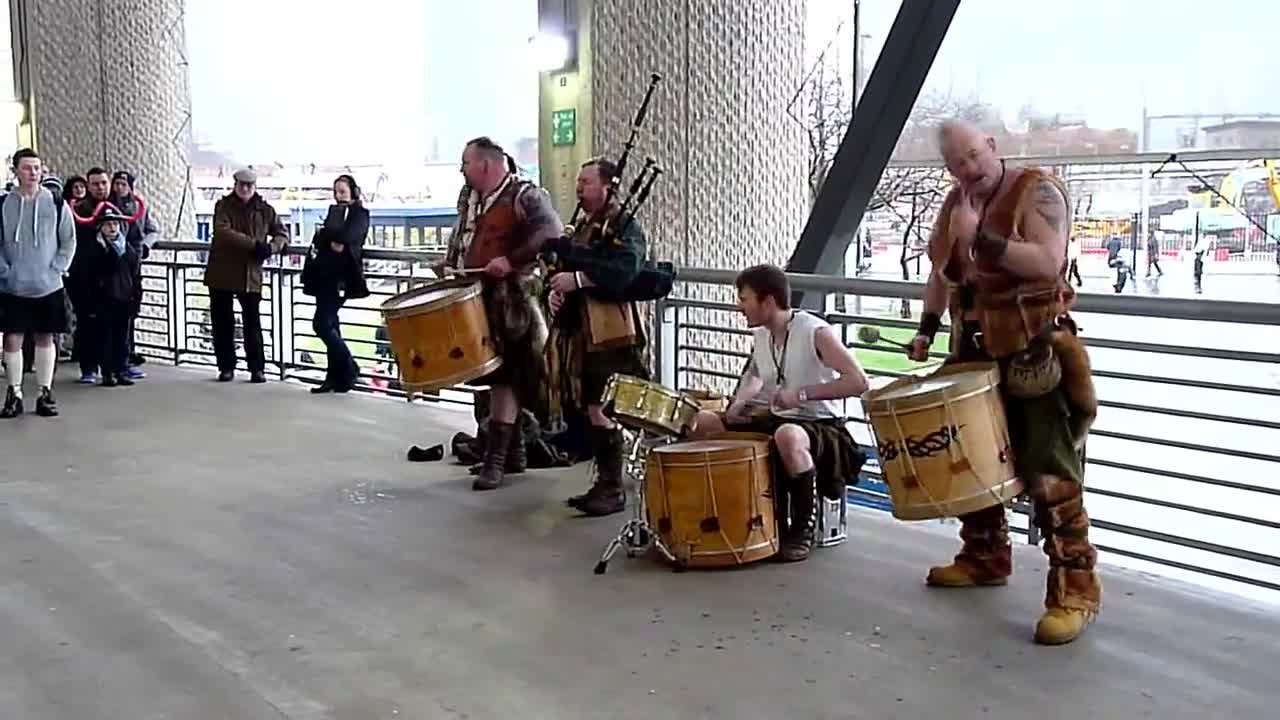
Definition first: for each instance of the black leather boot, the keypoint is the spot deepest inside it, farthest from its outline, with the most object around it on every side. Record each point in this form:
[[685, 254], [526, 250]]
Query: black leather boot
[[606, 496], [495, 456], [798, 541]]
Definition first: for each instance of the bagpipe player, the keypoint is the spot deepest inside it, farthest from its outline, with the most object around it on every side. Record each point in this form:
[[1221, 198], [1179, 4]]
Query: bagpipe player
[[593, 334]]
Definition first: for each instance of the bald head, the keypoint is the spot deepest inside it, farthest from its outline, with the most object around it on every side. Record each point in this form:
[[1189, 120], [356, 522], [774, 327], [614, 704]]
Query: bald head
[[970, 156]]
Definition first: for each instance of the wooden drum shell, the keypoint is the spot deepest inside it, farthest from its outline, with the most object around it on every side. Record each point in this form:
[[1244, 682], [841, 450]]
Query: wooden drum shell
[[710, 500], [444, 341], [945, 451]]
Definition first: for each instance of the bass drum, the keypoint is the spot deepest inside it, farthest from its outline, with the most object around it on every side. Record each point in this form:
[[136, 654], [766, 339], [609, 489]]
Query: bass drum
[[710, 499], [440, 335]]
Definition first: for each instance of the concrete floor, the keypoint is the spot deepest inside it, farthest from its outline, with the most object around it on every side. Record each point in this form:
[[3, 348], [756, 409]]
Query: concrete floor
[[190, 550]]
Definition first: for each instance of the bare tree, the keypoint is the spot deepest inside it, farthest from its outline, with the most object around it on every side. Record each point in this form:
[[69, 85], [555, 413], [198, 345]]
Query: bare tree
[[823, 106]]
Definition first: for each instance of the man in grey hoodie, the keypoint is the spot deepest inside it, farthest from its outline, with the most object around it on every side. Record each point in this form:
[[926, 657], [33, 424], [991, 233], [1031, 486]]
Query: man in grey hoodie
[[36, 247]]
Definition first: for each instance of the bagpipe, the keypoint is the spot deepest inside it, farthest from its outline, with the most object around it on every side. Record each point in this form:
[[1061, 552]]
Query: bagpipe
[[655, 279]]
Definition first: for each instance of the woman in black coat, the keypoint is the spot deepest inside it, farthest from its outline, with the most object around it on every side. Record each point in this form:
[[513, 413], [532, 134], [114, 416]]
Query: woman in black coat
[[334, 274]]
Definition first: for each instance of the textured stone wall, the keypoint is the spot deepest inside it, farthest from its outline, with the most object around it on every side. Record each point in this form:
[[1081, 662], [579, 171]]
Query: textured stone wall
[[734, 191], [110, 88]]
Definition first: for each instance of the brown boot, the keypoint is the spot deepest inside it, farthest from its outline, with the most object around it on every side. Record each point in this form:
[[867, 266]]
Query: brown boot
[[1074, 591], [803, 517], [986, 557], [517, 457], [606, 497], [495, 456]]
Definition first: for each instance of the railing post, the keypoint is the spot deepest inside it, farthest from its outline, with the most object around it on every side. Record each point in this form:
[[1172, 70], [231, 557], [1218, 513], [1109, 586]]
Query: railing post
[[664, 355], [180, 310]]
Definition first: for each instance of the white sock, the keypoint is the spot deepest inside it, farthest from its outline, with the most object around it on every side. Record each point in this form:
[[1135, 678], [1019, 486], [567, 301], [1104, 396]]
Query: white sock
[[13, 367], [46, 357]]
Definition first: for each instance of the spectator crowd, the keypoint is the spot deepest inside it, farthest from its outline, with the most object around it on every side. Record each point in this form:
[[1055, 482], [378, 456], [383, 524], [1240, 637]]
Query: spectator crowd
[[71, 265]]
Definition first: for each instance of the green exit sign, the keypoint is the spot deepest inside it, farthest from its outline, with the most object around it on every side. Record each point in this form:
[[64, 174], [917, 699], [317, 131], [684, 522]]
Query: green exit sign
[[564, 127]]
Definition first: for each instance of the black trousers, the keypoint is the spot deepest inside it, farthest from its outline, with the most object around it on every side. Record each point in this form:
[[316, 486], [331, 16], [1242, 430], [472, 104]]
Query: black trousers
[[113, 329], [222, 314], [342, 370], [88, 333]]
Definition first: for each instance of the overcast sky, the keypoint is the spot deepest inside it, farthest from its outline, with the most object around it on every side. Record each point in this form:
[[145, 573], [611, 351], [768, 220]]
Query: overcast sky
[[376, 80]]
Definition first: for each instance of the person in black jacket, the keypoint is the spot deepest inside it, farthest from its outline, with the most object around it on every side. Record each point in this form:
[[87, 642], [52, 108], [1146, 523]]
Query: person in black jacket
[[113, 272], [334, 274]]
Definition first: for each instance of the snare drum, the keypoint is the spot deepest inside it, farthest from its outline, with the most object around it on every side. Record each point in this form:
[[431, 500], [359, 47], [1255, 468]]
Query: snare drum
[[710, 499], [440, 334], [644, 405], [943, 442]]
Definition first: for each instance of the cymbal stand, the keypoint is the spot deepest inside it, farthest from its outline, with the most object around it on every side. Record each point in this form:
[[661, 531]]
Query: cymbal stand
[[636, 535]]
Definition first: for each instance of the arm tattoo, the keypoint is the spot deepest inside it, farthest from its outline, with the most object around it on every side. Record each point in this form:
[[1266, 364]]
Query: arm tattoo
[[1051, 205]]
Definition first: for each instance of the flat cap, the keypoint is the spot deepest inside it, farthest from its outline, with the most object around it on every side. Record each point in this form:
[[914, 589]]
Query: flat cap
[[246, 175]]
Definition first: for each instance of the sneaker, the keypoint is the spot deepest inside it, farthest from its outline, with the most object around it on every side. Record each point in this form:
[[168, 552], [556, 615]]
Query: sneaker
[[109, 381], [46, 405], [12, 404], [88, 378], [123, 380], [135, 374]]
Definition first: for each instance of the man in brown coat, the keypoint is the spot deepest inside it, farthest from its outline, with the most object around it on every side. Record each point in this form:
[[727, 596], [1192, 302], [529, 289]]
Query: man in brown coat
[[246, 231]]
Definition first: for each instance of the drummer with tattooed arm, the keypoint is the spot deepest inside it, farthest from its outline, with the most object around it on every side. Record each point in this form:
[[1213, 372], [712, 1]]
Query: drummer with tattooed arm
[[503, 221], [798, 371], [999, 256], [593, 338]]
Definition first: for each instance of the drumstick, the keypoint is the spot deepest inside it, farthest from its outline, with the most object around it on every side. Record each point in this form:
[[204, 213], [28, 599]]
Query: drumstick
[[871, 335], [463, 271]]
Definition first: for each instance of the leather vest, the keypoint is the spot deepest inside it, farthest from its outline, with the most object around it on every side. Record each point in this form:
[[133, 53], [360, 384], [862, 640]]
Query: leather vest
[[498, 229], [1010, 310]]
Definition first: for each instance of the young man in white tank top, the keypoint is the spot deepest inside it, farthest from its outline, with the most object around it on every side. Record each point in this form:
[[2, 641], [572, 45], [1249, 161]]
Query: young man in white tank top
[[798, 374]]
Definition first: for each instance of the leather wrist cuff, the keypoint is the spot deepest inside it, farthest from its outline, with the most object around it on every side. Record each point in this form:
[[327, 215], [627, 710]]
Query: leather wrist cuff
[[930, 323]]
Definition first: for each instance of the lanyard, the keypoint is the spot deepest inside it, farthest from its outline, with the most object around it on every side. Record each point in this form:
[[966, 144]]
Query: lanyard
[[780, 364]]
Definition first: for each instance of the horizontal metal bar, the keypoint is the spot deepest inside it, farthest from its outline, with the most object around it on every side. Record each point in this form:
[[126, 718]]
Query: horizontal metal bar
[[1224, 155], [1177, 308], [701, 305], [1186, 446], [1175, 475], [1187, 508], [1209, 547], [1222, 574], [701, 371], [713, 351], [1191, 414], [370, 252], [713, 328], [844, 319], [1199, 352], [1202, 384]]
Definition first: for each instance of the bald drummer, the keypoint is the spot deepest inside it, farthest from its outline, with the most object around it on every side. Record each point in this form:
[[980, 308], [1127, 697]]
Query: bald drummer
[[999, 260]]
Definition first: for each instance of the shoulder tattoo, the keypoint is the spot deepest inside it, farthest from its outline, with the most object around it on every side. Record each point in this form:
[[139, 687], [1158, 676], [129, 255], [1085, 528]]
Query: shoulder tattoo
[[1050, 204]]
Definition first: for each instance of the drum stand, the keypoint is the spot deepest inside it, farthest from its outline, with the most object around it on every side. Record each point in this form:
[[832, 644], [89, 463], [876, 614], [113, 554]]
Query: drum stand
[[636, 535]]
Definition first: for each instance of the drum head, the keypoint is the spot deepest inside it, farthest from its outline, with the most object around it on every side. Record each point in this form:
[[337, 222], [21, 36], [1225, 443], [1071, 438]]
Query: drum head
[[434, 294], [710, 445], [923, 387]]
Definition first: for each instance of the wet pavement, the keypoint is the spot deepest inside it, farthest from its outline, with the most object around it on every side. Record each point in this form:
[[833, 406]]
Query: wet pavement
[[187, 549]]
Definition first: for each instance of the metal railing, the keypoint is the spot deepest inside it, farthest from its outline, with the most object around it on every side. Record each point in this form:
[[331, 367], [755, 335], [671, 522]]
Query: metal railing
[[1190, 486]]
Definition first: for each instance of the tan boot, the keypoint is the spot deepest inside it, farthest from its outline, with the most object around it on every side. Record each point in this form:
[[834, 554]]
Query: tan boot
[[1059, 626], [987, 556], [958, 574]]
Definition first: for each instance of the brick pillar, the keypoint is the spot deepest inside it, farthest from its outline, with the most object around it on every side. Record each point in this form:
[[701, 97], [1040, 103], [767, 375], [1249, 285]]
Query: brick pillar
[[106, 83], [733, 193]]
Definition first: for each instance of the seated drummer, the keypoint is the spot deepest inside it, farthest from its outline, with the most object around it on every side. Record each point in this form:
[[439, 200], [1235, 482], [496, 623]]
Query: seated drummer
[[799, 368]]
